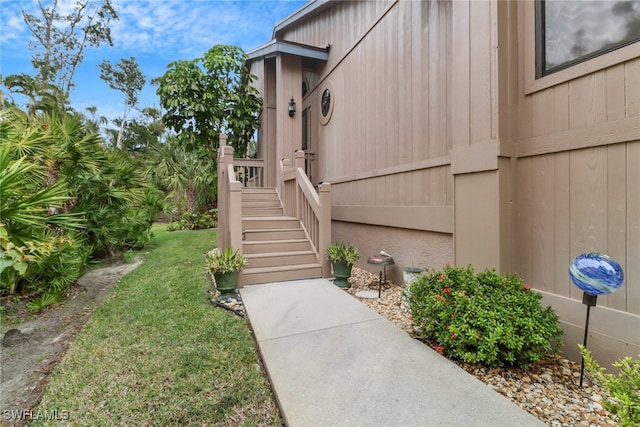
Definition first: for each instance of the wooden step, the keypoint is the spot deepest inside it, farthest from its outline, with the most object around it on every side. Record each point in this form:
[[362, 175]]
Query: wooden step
[[269, 222], [276, 246], [254, 276], [280, 259], [262, 211], [262, 203], [268, 246], [260, 194], [259, 190], [254, 198], [273, 234]]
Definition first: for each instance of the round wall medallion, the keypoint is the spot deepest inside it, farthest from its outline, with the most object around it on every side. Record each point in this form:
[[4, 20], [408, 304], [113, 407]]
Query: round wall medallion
[[327, 102]]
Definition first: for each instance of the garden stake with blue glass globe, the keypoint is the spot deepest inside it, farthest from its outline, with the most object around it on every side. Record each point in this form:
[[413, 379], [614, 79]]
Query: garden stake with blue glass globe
[[589, 301], [595, 274]]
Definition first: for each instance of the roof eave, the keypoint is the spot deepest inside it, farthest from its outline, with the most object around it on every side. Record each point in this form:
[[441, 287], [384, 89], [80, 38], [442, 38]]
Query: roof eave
[[309, 9], [274, 47]]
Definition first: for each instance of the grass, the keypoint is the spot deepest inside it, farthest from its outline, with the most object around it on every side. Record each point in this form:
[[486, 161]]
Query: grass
[[156, 352]]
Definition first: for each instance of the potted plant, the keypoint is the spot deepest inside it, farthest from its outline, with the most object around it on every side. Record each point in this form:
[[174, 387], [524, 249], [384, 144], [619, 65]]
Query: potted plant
[[342, 257], [224, 267]]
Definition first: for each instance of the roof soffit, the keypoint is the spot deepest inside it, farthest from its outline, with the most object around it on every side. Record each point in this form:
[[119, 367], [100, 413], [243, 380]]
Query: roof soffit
[[275, 47]]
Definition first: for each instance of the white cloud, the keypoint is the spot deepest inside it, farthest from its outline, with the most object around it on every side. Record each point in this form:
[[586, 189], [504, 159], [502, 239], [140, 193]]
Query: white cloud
[[189, 28], [155, 32], [13, 26]]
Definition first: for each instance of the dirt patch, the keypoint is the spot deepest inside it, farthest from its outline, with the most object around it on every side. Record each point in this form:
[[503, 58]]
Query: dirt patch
[[33, 344]]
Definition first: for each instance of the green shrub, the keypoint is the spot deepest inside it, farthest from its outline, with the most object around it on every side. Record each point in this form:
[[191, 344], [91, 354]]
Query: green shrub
[[43, 301], [195, 221], [64, 265], [65, 199], [221, 261], [483, 318], [625, 387]]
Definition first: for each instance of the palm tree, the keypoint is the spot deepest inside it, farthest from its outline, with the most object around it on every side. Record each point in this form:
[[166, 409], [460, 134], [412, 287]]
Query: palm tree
[[30, 226], [184, 172]]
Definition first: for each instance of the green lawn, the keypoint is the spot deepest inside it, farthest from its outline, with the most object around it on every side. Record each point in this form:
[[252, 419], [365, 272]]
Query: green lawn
[[156, 352]]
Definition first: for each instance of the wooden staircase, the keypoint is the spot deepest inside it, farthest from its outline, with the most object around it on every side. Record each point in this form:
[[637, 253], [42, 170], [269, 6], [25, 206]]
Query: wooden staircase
[[276, 246]]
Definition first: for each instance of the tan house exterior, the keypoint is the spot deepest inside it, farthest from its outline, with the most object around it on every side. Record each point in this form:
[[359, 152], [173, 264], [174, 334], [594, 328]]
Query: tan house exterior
[[442, 147]]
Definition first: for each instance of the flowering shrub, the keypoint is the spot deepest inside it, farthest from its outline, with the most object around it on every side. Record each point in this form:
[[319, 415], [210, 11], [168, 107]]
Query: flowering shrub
[[483, 318]]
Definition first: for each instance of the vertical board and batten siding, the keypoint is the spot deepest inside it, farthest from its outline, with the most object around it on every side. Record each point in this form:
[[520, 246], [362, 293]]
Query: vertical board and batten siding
[[578, 189], [389, 67], [480, 83], [482, 114], [572, 199], [431, 93], [401, 97], [386, 146]]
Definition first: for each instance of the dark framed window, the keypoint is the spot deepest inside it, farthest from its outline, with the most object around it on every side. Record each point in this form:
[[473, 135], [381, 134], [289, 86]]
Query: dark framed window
[[572, 31]]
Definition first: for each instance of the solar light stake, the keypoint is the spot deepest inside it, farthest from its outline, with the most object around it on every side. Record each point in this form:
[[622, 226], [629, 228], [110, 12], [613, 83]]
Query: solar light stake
[[595, 274], [383, 259], [589, 301]]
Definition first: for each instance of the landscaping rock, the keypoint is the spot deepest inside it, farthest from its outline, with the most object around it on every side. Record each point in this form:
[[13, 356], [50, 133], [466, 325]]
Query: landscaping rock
[[12, 337]]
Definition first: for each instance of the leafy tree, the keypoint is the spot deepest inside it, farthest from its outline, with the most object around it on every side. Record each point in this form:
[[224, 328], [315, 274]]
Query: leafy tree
[[141, 132], [210, 95], [127, 78], [60, 39]]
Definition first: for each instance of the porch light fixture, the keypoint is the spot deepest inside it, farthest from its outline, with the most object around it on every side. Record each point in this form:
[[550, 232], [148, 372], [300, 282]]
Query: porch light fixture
[[292, 107]]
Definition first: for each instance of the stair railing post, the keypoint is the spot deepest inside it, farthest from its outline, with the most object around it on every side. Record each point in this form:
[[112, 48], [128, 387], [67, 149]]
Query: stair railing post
[[223, 194], [298, 163], [235, 216], [285, 165], [299, 159], [324, 194], [234, 206]]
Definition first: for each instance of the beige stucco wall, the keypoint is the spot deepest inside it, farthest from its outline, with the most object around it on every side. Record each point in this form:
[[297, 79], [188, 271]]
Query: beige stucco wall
[[422, 249]]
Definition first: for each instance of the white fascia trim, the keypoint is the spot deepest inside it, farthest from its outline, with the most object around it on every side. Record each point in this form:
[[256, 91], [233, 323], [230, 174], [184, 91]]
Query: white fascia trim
[[303, 11], [274, 47]]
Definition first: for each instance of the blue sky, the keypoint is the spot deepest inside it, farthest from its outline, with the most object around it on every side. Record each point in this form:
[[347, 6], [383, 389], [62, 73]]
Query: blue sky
[[155, 32]]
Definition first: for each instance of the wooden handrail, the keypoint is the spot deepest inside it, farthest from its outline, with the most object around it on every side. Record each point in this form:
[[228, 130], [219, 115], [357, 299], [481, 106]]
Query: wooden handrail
[[301, 200], [257, 163], [250, 172], [307, 188]]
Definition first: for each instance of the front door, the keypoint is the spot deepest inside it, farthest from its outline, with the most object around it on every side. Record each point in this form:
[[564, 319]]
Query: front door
[[308, 145]]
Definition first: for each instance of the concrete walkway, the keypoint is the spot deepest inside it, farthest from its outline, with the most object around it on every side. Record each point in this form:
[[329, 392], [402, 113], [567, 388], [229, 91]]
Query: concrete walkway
[[334, 362]]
